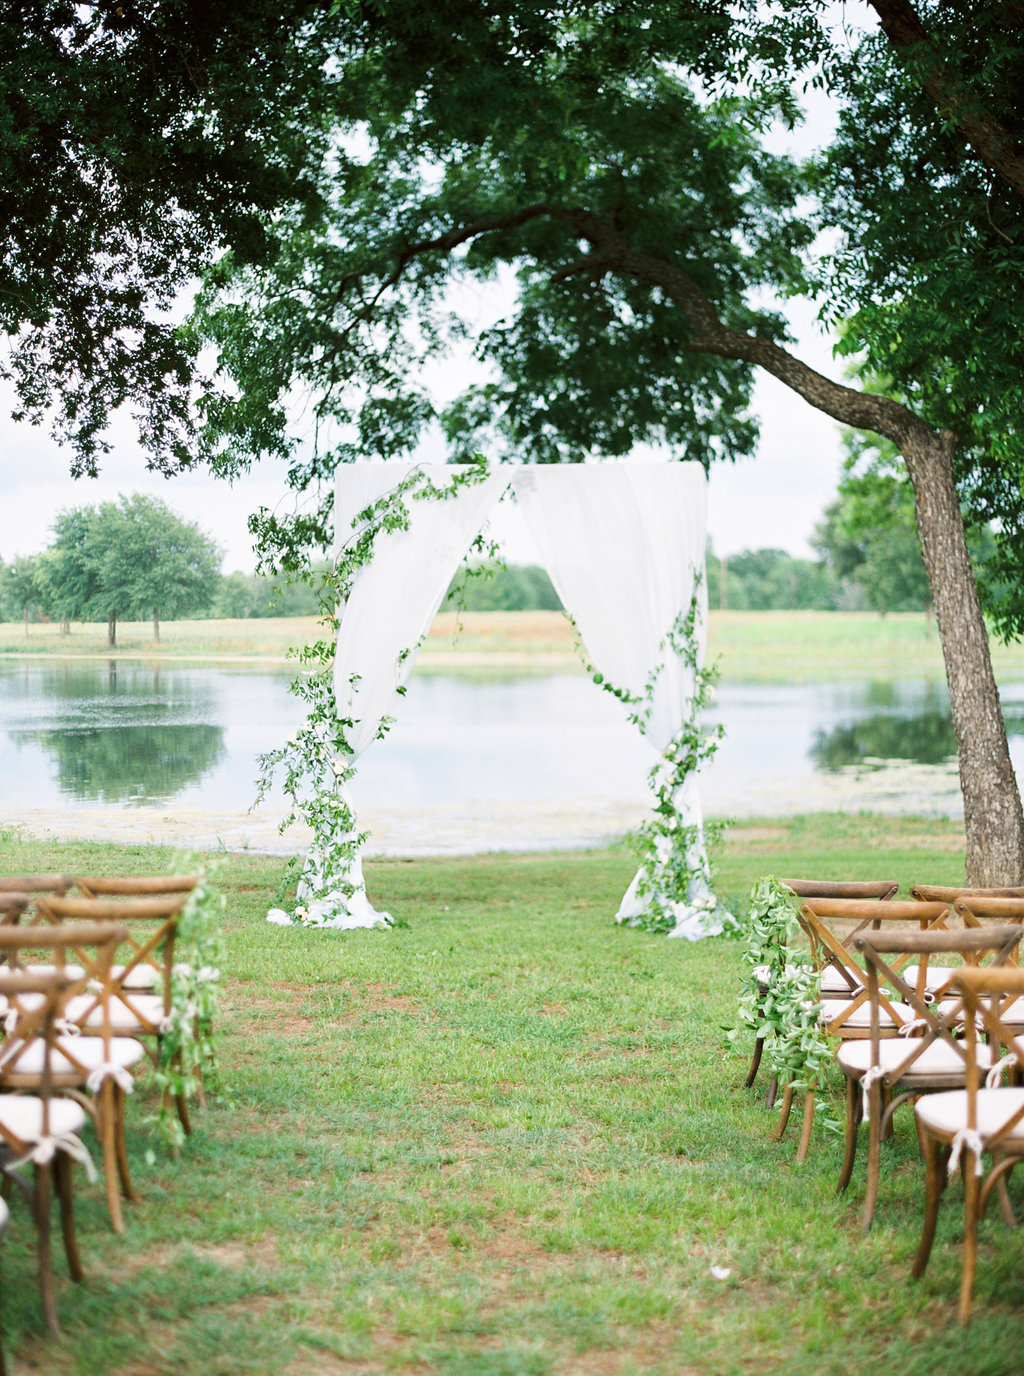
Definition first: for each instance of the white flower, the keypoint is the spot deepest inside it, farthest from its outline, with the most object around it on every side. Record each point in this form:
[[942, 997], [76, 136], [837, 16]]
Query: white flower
[[721, 1272]]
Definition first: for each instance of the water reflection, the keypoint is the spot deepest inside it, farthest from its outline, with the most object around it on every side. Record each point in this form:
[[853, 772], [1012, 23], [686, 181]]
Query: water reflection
[[925, 739], [79, 735], [111, 732], [123, 764]]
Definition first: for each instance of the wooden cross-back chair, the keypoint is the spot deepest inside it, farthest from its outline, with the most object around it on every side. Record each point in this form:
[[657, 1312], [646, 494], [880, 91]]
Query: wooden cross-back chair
[[845, 1011], [983, 1118], [971, 907], [884, 1072], [879, 890], [40, 1129], [140, 986], [92, 1068]]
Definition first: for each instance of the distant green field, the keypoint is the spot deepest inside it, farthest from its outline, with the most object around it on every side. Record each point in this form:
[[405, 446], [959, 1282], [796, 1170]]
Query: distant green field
[[753, 647]]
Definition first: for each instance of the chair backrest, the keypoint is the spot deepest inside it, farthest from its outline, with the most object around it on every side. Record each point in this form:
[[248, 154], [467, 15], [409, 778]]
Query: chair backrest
[[820, 918], [35, 883], [134, 886], [880, 889], [91, 948], [31, 1004], [986, 994], [949, 893], [933, 1020], [150, 929], [977, 909], [12, 905]]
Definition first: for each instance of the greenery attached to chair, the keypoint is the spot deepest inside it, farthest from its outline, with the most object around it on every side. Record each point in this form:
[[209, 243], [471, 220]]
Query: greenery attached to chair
[[188, 1046], [780, 997]]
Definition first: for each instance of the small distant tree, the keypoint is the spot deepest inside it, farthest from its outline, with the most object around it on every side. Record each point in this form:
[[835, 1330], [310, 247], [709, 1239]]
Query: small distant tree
[[22, 587], [133, 557], [493, 586]]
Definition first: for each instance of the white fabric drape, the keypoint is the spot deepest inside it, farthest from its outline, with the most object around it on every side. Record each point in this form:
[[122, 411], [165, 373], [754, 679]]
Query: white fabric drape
[[394, 599], [623, 544]]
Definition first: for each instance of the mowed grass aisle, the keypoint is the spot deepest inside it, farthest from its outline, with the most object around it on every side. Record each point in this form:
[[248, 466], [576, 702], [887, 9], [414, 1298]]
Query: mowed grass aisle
[[506, 1140]]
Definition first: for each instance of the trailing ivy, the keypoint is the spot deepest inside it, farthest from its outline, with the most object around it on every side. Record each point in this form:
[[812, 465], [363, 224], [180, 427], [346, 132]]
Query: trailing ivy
[[674, 882], [187, 1054], [780, 999], [316, 763]]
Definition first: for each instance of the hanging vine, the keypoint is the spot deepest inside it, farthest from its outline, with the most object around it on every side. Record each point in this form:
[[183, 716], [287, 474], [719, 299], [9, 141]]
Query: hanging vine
[[316, 763], [780, 999], [673, 887]]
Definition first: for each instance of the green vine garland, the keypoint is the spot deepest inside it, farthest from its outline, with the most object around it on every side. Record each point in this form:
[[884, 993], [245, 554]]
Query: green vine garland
[[316, 763], [674, 882], [187, 1055], [781, 996]]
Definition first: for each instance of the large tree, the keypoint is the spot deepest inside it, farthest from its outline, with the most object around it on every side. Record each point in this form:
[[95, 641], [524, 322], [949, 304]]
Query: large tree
[[606, 155], [136, 141]]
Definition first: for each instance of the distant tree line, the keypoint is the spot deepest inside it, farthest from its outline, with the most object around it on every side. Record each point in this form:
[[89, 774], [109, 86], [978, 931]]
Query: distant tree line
[[135, 559]]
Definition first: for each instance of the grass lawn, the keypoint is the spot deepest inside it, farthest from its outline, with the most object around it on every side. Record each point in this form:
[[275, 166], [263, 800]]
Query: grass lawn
[[506, 1140]]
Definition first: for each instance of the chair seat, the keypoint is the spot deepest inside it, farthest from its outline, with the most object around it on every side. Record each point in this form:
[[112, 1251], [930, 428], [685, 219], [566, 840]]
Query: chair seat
[[936, 1061], [145, 1009], [834, 982], [946, 1114], [69, 1054], [22, 1116], [936, 976], [861, 1017], [141, 976]]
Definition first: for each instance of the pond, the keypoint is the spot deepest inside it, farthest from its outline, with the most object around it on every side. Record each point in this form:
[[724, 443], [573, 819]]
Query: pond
[[527, 759]]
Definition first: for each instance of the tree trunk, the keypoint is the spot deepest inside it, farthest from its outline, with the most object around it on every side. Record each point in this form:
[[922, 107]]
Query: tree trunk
[[156, 628], [993, 818], [112, 631], [65, 626]]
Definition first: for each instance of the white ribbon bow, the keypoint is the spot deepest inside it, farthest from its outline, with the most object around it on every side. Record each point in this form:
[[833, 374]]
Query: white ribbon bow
[[996, 1073], [47, 1148], [871, 1076], [971, 1139], [109, 1070]]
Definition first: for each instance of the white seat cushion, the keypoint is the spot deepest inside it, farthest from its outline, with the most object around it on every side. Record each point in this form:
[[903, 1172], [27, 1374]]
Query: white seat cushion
[[936, 976], [938, 1060], [946, 1113], [861, 1017], [70, 1053], [141, 976], [833, 981], [72, 971], [22, 1116], [149, 1008]]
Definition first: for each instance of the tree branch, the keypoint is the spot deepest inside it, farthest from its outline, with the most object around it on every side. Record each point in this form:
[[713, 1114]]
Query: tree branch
[[860, 410], [991, 141]]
